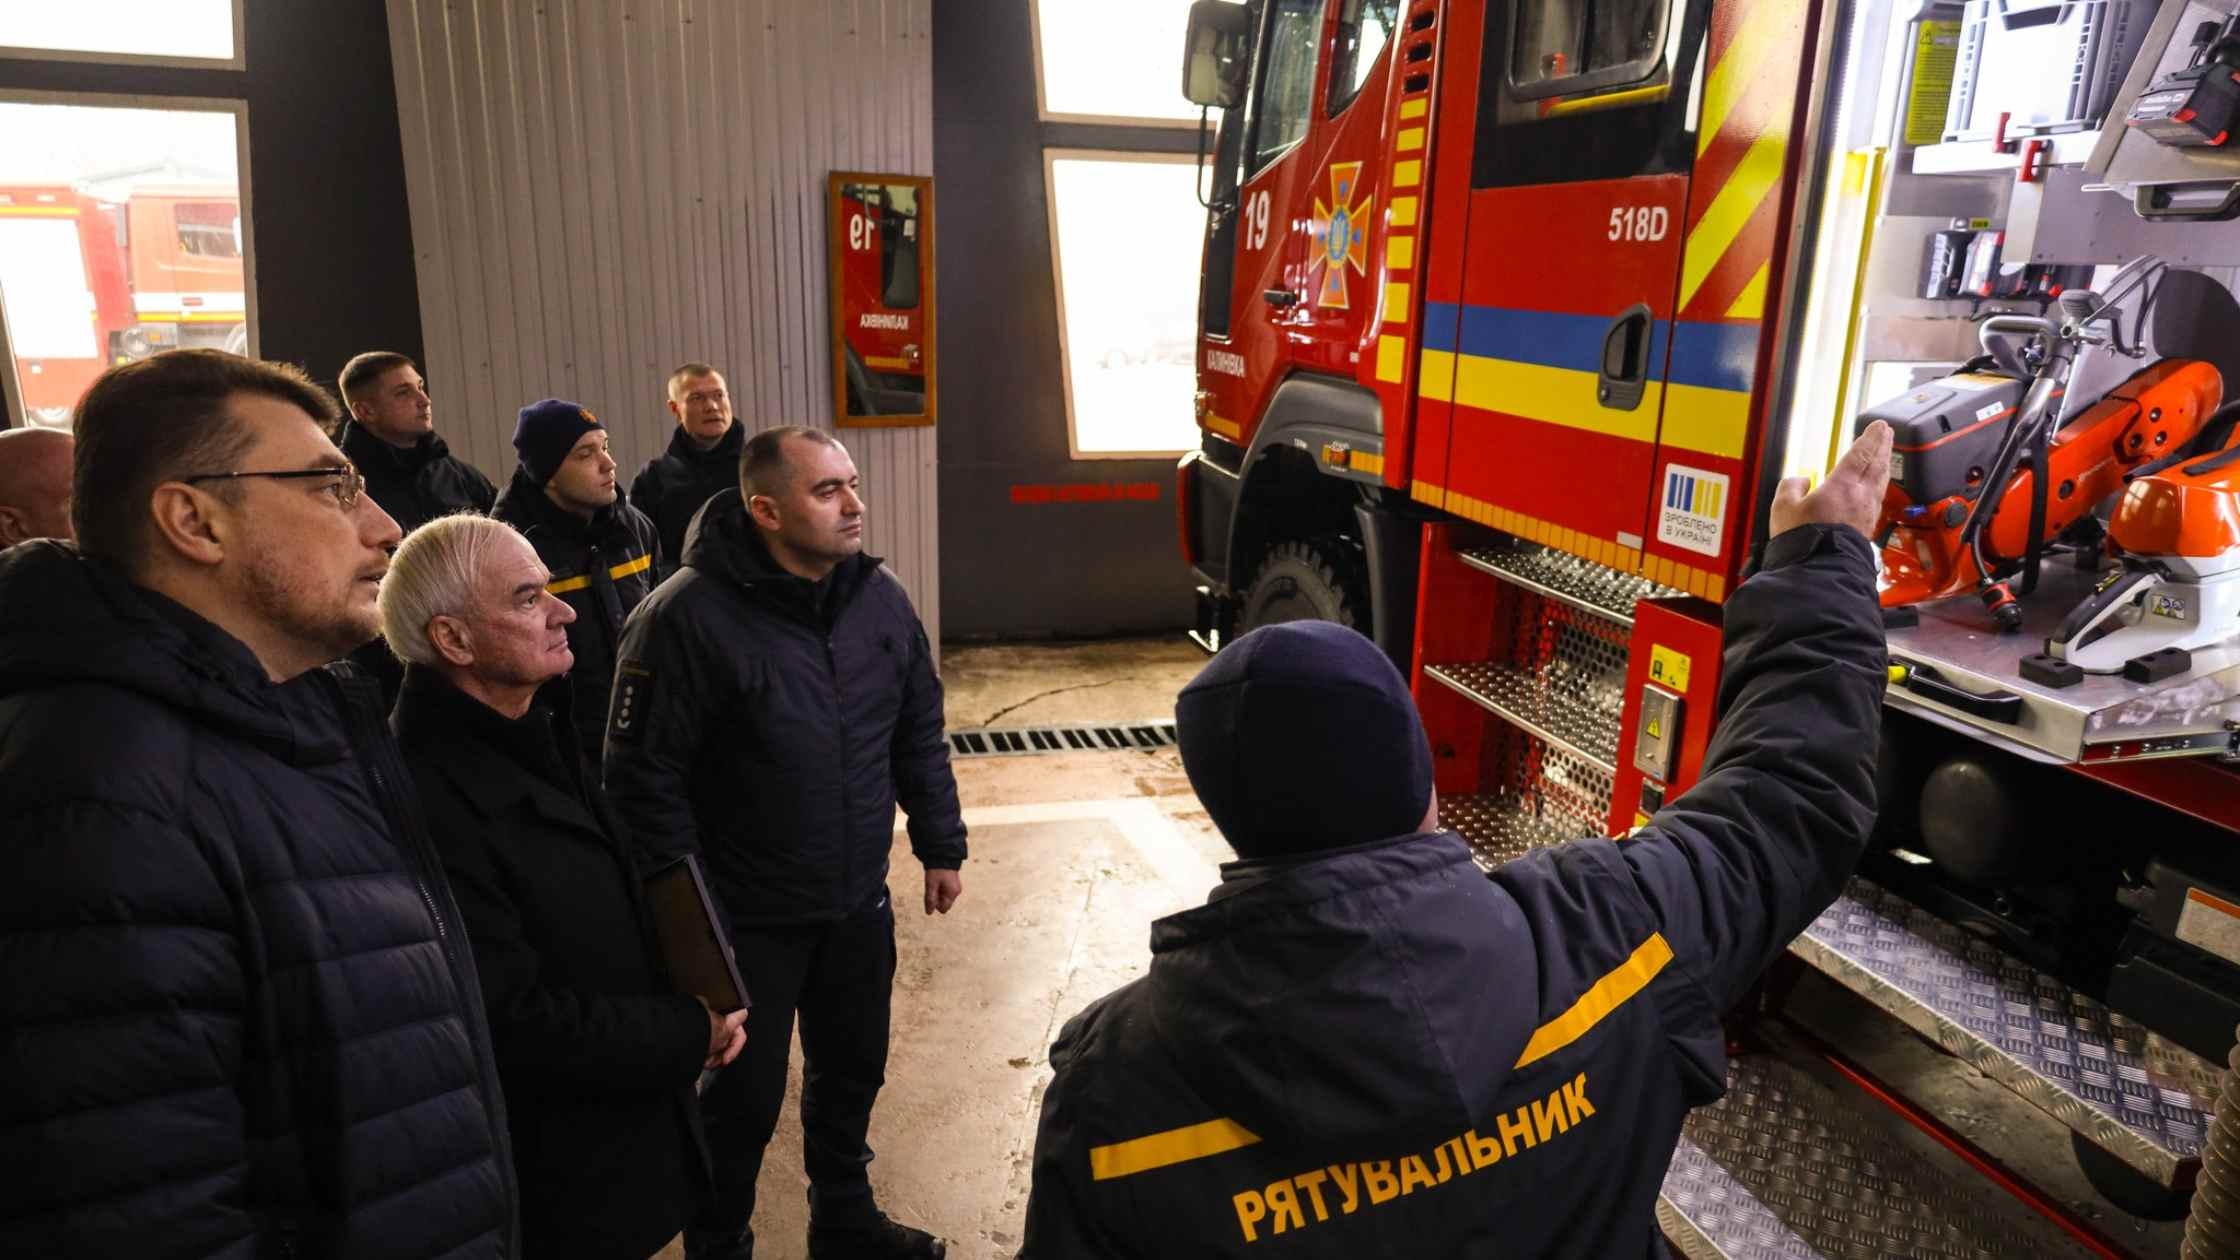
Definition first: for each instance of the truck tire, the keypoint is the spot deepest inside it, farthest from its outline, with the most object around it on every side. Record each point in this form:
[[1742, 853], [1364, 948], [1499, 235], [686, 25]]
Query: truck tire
[[1317, 580]]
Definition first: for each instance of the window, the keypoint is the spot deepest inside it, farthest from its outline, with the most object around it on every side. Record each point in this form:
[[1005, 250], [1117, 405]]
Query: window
[[191, 32], [1286, 79], [1588, 90], [122, 233], [1100, 62], [210, 229], [1581, 45], [1364, 28], [1125, 233]]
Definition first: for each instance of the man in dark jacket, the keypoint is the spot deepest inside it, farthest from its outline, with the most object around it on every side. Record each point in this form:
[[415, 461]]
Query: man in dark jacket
[[701, 462], [776, 699], [390, 435], [597, 1051], [600, 549], [1362, 1047], [240, 1015]]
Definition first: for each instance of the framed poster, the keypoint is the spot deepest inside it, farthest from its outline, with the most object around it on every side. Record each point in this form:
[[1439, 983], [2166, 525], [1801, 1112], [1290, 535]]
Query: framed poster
[[881, 231]]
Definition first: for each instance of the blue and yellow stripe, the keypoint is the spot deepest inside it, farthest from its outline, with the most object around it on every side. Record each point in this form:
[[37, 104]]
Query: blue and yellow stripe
[[1541, 365]]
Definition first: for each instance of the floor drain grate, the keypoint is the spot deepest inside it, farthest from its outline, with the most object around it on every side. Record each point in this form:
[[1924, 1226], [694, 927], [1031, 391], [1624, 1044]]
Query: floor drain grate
[[1028, 741]]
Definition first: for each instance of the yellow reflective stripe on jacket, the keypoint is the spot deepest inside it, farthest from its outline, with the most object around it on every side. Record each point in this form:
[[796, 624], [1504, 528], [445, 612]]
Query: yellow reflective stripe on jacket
[[1175, 1146], [618, 572], [1608, 994]]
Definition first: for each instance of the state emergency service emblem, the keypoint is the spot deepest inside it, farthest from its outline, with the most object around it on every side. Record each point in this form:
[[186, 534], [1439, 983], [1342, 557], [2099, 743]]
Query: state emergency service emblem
[[1341, 234]]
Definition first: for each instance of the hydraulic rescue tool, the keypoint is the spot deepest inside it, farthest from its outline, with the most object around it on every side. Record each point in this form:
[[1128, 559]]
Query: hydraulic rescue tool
[[1992, 465]]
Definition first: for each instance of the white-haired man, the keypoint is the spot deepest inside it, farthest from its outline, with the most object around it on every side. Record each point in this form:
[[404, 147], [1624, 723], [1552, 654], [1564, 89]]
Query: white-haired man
[[596, 1052]]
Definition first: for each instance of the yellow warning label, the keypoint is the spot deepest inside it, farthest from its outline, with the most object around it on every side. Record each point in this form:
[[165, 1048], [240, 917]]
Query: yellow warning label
[[1936, 46], [1656, 729], [1667, 668]]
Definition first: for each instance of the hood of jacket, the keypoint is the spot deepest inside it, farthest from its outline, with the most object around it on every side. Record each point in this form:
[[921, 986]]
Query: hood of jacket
[[723, 541], [1369, 995], [67, 620]]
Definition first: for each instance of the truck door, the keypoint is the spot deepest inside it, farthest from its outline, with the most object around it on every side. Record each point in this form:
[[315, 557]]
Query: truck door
[[1261, 243], [1577, 211]]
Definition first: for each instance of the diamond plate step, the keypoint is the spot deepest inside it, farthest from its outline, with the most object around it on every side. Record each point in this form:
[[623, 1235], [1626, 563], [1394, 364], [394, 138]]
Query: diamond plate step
[[2130, 1092], [1502, 828], [1561, 576], [1577, 719], [1783, 1168]]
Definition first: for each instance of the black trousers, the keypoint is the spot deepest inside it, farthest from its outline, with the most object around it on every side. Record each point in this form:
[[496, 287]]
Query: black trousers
[[840, 977]]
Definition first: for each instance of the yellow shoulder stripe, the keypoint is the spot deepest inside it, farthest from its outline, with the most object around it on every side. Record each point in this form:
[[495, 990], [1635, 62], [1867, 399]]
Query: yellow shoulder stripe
[[618, 572], [1175, 1146], [1608, 994]]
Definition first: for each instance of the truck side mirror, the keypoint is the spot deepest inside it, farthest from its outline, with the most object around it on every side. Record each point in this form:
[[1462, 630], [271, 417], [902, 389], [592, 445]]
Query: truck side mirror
[[1215, 58]]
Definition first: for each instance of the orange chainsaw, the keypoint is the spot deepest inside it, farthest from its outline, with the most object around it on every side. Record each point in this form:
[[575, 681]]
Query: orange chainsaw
[[1986, 474]]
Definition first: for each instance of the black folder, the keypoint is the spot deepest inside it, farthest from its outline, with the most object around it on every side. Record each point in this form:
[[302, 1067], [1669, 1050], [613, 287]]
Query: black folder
[[693, 943]]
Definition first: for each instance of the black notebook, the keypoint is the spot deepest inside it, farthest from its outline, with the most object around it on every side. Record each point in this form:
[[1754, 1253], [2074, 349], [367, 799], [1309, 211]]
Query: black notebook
[[700, 960]]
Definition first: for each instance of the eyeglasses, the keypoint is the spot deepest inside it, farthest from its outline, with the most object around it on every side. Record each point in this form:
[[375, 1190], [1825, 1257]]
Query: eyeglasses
[[349, 485]]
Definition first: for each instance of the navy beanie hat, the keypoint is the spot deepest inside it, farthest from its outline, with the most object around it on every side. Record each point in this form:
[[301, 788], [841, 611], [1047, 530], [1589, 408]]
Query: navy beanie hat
[[1302, 736], [546, 431]]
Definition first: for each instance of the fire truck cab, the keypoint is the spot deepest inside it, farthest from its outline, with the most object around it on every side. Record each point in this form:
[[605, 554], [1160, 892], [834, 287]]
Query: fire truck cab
[[1515, 312]]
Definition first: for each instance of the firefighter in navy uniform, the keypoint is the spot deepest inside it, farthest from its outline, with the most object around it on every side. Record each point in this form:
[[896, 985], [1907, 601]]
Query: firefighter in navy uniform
[[1360, 1046], [601, 550]]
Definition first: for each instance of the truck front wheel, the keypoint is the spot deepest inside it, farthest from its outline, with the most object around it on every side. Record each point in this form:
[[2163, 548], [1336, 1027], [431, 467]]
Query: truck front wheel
[[1321, 579]]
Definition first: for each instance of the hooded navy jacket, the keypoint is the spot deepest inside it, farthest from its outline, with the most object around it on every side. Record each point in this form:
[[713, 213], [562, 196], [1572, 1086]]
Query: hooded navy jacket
[[772, 725], [1378, 1051]]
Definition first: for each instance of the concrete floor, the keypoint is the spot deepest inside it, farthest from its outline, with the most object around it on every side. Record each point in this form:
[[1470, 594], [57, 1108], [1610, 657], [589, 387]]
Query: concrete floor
[[1073, 856]]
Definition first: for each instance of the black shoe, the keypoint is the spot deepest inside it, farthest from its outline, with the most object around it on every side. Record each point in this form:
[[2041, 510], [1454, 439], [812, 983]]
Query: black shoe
[[872, 1236], [716, 1244]]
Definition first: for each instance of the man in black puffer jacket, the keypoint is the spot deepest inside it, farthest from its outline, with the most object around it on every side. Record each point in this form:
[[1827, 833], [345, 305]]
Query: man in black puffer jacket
[[391, 436], [702, 460], [240, 1015], [600, 549], [776, 699]]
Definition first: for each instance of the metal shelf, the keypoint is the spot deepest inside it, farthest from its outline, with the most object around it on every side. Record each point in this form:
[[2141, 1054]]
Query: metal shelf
[[1783, 1168], [1567, 579], [1500, 829], [1977, 157], [2134, 1095], [1572, 723]]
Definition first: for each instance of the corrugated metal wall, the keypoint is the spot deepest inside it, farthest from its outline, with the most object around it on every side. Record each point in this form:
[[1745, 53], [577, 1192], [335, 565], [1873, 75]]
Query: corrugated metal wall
[[602, 189]]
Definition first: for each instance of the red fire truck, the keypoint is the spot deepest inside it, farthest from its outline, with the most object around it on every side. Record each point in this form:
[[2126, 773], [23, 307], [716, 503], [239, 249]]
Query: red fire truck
[[1515, 312], [89, 282]]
